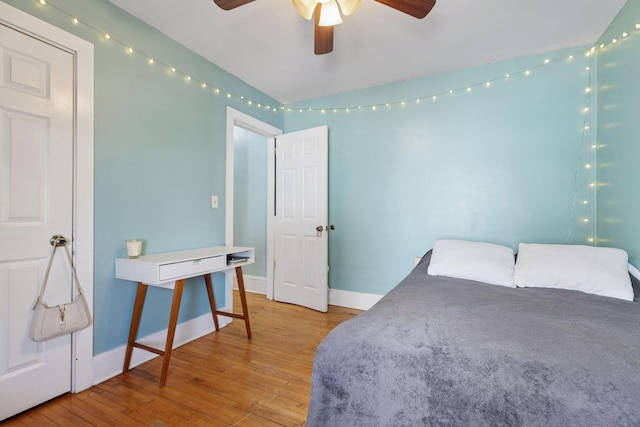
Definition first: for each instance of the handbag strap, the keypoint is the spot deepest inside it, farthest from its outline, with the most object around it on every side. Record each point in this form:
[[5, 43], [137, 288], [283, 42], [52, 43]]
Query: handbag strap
[[55, 242]]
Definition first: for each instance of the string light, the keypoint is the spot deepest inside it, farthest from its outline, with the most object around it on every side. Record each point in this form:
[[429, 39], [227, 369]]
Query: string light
[[230, 95], [129, 49], [451, 91], [585, 160]]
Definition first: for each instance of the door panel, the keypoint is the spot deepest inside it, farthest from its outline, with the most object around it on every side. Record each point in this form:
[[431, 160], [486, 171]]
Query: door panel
[[301, 252], [36, 195]]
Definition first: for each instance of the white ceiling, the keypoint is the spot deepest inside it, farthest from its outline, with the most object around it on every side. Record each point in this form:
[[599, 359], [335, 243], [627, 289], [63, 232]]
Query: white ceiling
[[269, 46]]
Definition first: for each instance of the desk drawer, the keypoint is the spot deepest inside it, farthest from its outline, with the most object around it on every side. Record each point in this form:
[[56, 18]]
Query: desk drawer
[[191, 268]]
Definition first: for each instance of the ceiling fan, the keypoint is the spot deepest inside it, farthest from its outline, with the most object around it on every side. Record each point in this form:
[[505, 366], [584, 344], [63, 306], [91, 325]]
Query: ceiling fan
[[327, 14]]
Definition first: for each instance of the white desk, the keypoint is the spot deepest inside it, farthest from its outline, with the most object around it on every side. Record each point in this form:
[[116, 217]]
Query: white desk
[[169, 270]]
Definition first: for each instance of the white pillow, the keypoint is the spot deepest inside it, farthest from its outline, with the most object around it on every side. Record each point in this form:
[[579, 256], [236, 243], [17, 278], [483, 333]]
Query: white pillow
[[595, 270], [482, 262]]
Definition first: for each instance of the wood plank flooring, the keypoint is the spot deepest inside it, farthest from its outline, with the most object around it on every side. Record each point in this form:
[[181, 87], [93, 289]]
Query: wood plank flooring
[[221, 379]]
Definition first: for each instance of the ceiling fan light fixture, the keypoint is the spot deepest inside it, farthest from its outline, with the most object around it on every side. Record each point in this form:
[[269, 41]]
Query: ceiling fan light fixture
[[305, 8], [329, 14], [348, 6]]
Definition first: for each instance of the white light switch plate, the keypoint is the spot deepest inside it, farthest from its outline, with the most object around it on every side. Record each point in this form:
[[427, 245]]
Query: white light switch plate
[[214, 202]]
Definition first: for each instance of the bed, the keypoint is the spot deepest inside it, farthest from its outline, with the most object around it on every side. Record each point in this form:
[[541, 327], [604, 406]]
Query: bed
[[439, 350]]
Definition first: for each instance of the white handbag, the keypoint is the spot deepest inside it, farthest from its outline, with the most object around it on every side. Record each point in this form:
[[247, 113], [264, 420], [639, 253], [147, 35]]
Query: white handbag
[[50, 322]]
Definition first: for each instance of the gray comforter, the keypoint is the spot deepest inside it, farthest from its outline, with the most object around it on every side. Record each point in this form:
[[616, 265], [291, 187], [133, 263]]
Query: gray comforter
[[441, 351]]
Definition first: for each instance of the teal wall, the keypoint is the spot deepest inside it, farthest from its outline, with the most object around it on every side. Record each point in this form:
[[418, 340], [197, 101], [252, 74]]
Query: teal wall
[[159, 156], [250, 197], [502, 163], [619, 133]]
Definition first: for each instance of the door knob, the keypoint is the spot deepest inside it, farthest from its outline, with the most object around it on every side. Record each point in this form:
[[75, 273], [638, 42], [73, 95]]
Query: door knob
[[319, 230]]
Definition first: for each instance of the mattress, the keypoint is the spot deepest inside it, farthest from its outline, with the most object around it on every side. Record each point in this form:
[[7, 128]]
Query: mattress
[[442, 351]]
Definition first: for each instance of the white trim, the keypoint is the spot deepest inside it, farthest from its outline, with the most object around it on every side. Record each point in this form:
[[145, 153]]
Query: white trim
[[237, 118], [349, 299], [82, 360], [634, 272], [253, 284], [109, 364]]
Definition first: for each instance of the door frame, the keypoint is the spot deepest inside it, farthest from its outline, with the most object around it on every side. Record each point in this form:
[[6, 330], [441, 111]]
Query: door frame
[[245, 121], [83, 220]]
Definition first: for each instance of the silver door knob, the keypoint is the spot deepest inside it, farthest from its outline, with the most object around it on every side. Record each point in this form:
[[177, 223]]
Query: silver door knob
[[319, 230]]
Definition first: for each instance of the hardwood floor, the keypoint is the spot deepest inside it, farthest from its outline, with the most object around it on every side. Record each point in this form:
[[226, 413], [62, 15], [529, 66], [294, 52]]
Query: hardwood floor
[[221, 379]]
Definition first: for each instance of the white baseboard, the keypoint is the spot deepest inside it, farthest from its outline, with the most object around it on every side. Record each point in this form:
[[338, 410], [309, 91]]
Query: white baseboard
[[109, 364], [254, 284], [357, 300]]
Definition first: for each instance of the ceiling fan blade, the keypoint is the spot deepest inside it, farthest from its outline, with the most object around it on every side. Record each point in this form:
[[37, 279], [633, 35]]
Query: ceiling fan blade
[[231, 4], [417, 8], [323, 36]]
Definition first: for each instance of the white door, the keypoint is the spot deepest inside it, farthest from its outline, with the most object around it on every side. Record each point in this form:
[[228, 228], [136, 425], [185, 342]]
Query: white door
[[36, 195], [300, 235]]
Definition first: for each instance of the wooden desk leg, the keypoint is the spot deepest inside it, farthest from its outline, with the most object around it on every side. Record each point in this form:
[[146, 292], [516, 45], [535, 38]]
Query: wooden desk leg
[[135, 323], [243, 300], [173, 321], [212, 300]]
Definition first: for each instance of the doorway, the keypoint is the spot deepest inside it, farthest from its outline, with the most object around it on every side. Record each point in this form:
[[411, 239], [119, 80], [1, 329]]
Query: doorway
[[298, 233], [242, 125], [250, 203]]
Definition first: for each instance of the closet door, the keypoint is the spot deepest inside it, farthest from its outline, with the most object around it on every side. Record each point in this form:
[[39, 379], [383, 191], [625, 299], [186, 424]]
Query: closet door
[[36, 196]]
